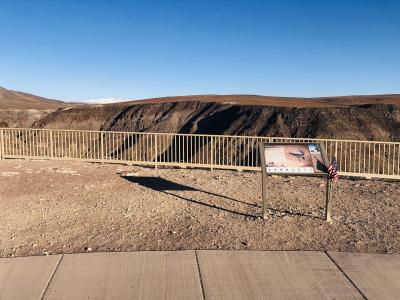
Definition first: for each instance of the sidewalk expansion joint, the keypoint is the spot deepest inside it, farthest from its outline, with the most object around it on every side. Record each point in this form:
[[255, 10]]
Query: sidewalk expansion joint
[[201, 279], [345, 275], [51, 277]]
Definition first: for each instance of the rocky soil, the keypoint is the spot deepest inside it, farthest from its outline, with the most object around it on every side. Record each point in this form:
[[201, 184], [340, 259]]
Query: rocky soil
[[53, 207]]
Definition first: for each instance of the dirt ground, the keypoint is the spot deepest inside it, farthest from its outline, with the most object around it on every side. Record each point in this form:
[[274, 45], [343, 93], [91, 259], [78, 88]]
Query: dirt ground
[[50, 207]]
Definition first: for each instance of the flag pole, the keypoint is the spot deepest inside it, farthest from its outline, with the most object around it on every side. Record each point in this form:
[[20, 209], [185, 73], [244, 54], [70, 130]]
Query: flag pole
[[328, 203], [332, 177]]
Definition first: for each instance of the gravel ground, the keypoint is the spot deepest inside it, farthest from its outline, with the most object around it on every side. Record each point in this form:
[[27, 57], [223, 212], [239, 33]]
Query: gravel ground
[[50, 207]]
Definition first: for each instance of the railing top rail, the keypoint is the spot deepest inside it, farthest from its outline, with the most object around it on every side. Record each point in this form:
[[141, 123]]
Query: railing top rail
[[204, 135]]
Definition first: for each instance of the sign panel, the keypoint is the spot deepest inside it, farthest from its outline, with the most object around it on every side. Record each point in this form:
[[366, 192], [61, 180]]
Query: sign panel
[[299, 159]]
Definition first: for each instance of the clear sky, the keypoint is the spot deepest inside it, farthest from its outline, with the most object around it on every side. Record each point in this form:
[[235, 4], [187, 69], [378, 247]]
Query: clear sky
[[75, 50]]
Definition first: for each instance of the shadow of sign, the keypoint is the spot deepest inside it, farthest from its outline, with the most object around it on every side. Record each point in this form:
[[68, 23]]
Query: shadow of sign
[[158, 184], [166, 186]]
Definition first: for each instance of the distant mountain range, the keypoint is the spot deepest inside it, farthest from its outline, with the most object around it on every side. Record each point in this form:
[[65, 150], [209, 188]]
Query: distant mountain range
[[19, 100], [367, 117]]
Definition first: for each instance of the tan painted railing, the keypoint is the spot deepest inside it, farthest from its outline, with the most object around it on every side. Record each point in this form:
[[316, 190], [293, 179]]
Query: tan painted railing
[[355, 158]]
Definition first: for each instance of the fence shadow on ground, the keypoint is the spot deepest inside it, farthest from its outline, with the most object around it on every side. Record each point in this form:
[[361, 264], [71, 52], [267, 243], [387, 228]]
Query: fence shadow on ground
[[166, 186]]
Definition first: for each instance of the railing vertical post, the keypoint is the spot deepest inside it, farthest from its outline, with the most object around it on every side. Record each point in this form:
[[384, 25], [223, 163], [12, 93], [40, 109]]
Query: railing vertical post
[[1, 144], [102, 147], [336, 146], [51, 144], [155, 151], [212, 152]]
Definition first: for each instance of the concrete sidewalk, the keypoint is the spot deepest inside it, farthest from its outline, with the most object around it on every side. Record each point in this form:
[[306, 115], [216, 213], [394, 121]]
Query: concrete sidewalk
[[202, 275]]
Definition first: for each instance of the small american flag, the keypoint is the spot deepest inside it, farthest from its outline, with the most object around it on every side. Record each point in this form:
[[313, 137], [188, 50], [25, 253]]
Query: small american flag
[[332, 170]]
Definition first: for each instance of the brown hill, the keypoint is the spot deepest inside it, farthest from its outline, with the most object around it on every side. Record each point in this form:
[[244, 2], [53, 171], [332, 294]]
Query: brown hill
[[18, 109], [339, 101], [18, 100]]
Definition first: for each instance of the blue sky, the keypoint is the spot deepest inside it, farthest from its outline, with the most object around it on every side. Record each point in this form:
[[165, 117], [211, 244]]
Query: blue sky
[[75, 50]]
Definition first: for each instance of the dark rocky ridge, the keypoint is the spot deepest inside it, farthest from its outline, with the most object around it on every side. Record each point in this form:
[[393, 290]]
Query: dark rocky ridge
[[364, 122]]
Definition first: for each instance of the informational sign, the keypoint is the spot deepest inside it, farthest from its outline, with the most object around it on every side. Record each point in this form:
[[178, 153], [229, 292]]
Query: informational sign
[[294, 159], [302, 159]]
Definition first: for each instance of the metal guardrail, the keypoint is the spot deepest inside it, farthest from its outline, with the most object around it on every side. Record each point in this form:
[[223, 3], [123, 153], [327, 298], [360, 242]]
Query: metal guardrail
[[355, 158]]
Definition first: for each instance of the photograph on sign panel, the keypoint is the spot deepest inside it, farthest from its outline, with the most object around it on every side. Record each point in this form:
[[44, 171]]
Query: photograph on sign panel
[[294, 158], [317, 159]]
